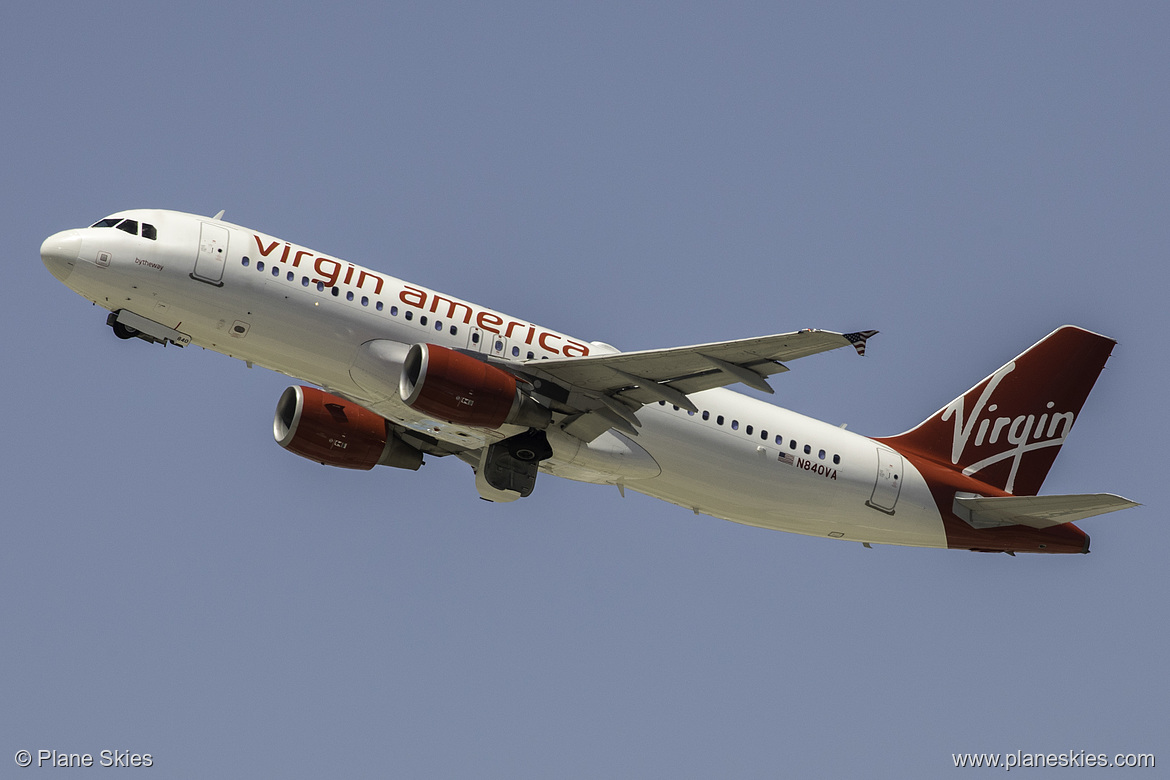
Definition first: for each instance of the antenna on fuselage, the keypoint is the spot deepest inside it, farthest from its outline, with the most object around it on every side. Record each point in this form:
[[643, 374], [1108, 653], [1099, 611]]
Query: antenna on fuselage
[[220, 214]]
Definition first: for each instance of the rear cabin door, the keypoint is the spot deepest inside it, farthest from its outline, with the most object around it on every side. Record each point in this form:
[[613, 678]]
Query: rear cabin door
[[888, 483]]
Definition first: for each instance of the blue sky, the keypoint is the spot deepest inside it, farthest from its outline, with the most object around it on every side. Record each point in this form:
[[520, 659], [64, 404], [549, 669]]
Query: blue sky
[[962, 177]]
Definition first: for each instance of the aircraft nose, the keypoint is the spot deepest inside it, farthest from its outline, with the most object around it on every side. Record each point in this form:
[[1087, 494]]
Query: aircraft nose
[[59, 252]]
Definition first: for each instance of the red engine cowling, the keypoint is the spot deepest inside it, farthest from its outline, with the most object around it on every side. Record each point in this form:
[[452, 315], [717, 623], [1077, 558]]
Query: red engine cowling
[[336, 432], [460, 389]]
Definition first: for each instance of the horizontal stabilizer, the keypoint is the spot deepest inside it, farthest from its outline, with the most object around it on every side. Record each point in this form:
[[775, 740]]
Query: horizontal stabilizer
[[1035, 511]]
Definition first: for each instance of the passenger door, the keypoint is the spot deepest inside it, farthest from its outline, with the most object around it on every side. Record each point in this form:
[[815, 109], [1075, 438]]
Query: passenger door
[[209, 263], [888, 484]]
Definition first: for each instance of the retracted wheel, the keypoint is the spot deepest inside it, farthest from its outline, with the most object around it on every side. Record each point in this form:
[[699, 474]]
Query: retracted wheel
[[123, 331], [529, 447]]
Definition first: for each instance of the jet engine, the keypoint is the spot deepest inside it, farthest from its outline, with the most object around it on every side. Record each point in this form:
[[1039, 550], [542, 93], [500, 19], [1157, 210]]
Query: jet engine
[[460, 389], [330, 430]]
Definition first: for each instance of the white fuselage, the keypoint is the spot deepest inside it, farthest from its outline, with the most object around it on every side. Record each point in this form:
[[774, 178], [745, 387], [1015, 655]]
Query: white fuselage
[[307, 315]]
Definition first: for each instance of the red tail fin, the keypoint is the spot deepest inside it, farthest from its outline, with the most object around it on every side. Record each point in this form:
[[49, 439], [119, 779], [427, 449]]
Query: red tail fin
[[1007, 430]]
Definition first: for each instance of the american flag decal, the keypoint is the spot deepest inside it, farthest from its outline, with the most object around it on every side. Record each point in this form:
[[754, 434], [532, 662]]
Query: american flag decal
[[858, 339], [785, 457]]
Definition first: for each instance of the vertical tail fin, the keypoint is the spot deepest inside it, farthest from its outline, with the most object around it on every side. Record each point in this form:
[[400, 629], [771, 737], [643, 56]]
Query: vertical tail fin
[[1007, 430]]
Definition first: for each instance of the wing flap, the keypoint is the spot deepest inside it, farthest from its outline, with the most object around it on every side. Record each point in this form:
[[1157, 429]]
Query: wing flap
[[1035, 511]]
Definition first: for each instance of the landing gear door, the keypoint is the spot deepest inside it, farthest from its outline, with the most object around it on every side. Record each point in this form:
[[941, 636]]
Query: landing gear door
[[888, 484], [213, 244]]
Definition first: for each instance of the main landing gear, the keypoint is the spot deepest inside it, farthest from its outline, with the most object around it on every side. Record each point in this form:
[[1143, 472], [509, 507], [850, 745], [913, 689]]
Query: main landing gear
[[508, 469], [529, 447]]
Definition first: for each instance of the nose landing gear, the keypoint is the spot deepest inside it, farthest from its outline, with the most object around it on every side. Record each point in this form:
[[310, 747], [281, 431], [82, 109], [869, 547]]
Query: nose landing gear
[[128, 325], [121, 329]]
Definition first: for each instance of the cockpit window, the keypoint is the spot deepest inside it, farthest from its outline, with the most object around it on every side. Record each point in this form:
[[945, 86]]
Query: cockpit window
[[129, 225]]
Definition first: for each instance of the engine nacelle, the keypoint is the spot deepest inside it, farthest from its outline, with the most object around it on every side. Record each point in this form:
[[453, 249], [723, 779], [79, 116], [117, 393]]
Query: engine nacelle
[[460, 389], [330, 430]]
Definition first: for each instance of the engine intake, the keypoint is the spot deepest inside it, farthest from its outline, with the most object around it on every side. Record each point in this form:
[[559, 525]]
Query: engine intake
[[330, 430], [461, 389]]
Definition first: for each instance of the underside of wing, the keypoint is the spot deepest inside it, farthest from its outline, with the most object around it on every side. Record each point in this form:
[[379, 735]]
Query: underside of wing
[[603, 391]]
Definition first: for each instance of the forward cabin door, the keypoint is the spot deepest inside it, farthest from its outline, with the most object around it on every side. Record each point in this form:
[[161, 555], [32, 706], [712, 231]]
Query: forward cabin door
[[888, 484], [213, 243]]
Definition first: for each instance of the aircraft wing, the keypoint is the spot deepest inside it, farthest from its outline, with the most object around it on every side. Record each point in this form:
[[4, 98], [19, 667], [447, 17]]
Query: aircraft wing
[[603, 391]]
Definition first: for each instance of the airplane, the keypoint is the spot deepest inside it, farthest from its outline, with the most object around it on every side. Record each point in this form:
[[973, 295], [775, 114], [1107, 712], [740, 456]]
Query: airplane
[[396, 372]]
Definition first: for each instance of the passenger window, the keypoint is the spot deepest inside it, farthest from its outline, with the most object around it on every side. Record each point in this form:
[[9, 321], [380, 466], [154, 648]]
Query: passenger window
[[276, 270], [304, 281], [349, 295], [393, 309], [748, 430], [336, 291], [779, 440], [290, 276], [515, 351], [259, 265], [792, 444], [129, 225], [719, 420], [474, 338], [764, 435], [454, 330], [836, 460], [438, 325], [148, 231], [379, 307], [821, 454], [735, 425], [706, 414], [409, 315], [365, 300], [244, 261], [808, 449]]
